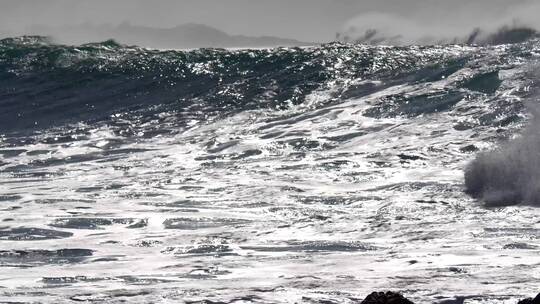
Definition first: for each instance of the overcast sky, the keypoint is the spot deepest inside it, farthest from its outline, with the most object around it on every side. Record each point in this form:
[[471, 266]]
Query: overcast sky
[[307, 20]]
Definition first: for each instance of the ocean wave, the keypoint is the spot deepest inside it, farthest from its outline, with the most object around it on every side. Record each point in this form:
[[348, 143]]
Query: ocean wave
[[47, 85], [503, 35], [323, 173], [375, 28]]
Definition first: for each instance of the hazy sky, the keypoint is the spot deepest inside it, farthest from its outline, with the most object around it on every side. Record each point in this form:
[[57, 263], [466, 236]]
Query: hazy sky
[[307, 20]]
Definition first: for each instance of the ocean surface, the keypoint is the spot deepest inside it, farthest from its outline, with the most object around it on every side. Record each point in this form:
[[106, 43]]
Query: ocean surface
[[287, 175]]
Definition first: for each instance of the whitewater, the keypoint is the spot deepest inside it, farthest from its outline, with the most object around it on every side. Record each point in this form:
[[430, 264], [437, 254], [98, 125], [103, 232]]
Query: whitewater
[[287, 175]]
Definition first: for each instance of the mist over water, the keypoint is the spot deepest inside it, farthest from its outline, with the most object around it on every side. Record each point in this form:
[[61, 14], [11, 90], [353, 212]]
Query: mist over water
[[509, 174]]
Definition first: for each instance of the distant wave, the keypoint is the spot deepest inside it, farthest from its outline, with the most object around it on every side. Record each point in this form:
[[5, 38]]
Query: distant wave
[[504, 35], [383, 29]]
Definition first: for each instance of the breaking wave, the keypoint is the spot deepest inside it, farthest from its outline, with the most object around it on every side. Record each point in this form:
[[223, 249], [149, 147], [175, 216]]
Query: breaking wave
[[509, 174], [262, 175]]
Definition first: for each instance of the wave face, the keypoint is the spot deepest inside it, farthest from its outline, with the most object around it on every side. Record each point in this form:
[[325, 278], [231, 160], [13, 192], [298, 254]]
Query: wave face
[[308, 175], [47, 85]]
